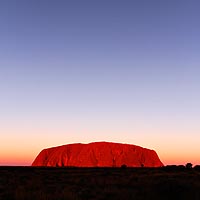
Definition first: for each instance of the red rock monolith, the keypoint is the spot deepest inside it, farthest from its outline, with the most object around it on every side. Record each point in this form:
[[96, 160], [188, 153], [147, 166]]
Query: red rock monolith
[[98, 154]]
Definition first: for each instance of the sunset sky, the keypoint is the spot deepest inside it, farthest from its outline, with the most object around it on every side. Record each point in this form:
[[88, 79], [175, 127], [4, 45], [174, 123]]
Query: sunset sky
[[84, 71]]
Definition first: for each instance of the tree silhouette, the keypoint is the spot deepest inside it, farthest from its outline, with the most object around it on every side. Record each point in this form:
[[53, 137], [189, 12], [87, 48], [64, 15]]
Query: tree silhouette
[[123, 166], [188, 165]]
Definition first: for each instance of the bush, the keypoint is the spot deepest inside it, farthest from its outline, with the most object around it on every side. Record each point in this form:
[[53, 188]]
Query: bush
[[123, 166], [188, 165]]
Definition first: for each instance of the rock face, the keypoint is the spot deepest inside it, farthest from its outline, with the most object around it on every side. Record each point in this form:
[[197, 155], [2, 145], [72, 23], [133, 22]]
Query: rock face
[[98, 154]]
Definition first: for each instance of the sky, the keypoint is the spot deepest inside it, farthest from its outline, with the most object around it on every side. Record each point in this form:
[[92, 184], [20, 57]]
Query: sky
[[86, 71]]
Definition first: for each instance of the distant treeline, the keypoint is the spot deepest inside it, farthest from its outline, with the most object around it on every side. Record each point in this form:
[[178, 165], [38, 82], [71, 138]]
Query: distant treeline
[[187, 166]]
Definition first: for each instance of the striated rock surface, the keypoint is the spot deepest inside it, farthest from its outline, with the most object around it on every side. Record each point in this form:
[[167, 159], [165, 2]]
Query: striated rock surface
[[98, 154]]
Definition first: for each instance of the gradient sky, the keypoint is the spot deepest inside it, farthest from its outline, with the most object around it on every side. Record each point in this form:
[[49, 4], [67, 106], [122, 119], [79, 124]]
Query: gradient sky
[[109, 70]]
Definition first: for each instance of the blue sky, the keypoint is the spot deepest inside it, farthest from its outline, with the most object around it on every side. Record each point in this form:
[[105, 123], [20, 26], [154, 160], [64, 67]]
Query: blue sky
[[124, 71]]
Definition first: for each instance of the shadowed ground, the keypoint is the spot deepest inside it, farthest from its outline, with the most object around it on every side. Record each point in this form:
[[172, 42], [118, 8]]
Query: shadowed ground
[[49, 183]]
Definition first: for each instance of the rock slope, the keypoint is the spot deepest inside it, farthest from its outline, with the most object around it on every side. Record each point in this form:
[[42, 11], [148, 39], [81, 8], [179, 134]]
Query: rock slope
[[98, 154]]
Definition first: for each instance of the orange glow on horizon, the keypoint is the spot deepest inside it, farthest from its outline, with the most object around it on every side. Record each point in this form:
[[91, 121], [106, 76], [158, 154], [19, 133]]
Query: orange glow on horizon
[[22, 148], [16, 160]]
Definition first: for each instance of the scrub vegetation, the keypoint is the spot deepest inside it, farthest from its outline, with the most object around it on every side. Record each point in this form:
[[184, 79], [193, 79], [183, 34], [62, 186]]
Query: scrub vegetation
[[53, 183]]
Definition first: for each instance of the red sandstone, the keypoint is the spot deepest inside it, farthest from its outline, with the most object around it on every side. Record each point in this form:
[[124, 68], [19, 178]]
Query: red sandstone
[[98, 154]]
